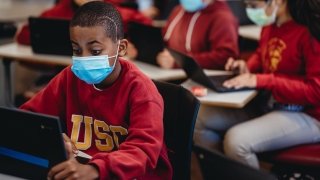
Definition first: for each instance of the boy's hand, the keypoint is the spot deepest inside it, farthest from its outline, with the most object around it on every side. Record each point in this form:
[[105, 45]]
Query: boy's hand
[[71, 169], [239, 66], [66, 140], [165, 60], [243, 80]]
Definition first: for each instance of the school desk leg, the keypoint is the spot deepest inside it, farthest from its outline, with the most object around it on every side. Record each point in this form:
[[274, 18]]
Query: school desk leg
[[7, 83]]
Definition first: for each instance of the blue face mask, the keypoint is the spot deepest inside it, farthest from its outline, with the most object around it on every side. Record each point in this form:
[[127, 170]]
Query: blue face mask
[[93, 69], [259, 16], [193, 5]]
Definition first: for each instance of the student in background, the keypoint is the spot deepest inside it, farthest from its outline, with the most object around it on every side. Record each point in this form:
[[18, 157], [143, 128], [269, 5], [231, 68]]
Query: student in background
[[146, 7], [65, 9], [287, 65], [203, 29], [112, 111]]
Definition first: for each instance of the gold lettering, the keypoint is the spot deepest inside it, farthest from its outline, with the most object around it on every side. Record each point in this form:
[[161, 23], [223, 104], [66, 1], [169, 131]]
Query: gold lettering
[[108, 146], [77, 121], [118, 129]]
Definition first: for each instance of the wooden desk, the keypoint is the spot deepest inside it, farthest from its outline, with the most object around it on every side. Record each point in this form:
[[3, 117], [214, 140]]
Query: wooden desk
[[14, 52], [20, 53], [157, 73], [18, 10], [229, 99], [250, 31]]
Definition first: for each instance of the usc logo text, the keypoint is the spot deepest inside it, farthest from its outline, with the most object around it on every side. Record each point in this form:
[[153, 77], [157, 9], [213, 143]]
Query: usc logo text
[[108, 135]]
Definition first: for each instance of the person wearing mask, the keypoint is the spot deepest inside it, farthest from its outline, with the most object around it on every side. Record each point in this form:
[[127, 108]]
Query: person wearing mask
[[111, 110], [206, 30], [65, 9], [287, 66]]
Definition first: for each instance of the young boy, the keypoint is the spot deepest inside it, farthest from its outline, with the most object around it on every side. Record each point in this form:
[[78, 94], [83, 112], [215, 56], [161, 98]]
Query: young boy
[[111, 110]]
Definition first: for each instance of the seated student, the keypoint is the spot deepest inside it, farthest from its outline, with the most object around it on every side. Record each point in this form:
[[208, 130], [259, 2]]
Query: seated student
[[112, 111], [286, 64], [205, 30], [65, 9], [146, 7]]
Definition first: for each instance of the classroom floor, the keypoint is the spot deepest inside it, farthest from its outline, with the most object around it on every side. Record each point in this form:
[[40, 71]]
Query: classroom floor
[[195, 169], [197, 175]]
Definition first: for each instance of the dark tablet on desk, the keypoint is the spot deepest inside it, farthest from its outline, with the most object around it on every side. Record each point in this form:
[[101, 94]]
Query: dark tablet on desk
[[147, 40], [30, 143], [196, 73], [50, 36]]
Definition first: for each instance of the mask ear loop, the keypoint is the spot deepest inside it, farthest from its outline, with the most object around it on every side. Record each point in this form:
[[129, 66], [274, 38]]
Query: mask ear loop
[[116, 56]]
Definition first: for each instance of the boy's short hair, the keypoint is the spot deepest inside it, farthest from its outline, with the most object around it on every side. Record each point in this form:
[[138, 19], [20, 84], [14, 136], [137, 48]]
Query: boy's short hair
[[98, 13]]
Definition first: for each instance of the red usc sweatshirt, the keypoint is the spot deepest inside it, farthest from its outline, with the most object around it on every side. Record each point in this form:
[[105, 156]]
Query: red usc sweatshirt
[[210, 36], [121, 126], [64, 10], [288, 64]]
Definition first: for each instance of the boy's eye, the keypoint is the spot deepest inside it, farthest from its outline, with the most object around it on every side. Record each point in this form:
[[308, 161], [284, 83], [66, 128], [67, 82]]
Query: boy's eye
[[95, 52], [76, 51]]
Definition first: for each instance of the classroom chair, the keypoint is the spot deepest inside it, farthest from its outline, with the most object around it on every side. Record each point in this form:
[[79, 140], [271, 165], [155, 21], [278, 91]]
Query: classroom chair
[[216, 166], [298, 162], [180, 114]]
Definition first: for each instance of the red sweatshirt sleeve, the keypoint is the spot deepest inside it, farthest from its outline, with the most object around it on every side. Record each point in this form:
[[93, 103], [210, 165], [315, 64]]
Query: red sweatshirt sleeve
[[304, 89], [254, 63], [50, 100], [23, 35], [222, 42], [62, 10], [141, 149]]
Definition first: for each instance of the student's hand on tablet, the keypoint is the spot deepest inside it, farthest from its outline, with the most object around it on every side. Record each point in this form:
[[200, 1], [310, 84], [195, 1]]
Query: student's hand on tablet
[[243, 80], [72, 169], [238, 66], [165, 60]]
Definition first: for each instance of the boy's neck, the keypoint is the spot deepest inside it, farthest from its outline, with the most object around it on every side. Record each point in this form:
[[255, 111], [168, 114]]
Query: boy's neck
[[112, 78]]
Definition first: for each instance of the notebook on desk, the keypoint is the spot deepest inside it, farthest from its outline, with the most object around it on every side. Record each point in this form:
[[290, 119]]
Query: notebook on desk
[[30, 143], [50, 36], [196, 73], [148, 41]]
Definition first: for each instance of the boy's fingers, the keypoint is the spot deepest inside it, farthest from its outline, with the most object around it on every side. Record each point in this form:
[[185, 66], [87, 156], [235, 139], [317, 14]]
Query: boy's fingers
[[229, 64], [69, 150], [67, 139]]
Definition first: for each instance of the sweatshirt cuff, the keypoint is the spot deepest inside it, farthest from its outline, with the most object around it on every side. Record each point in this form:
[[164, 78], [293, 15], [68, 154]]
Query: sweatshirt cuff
[[264, 81], [104, 173]]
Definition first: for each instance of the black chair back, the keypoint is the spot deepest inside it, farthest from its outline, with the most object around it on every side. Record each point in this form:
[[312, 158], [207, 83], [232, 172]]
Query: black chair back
[[215, 166], [180, 114]]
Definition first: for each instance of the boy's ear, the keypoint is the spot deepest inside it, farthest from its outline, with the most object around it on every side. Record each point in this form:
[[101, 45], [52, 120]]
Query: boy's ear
[[123, 47]]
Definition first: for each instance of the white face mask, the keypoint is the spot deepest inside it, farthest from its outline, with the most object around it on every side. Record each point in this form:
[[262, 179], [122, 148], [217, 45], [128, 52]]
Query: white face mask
[[259, 16]]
